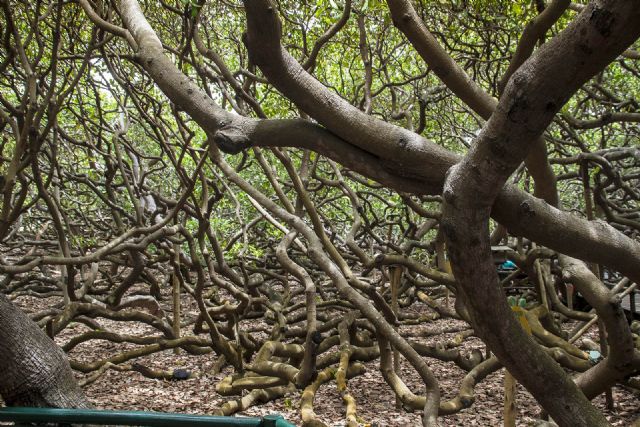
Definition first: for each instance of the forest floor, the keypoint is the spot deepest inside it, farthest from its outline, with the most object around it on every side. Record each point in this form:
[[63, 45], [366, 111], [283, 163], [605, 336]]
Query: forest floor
[[375, 400]]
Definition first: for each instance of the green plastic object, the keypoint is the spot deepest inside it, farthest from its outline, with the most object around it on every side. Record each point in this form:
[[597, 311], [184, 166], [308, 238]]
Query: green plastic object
[[275, 420], [512, 301], [133, 418], [522, 302]]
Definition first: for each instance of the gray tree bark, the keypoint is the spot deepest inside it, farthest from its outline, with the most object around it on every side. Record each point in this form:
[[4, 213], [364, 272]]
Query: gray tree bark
[[35, 371]]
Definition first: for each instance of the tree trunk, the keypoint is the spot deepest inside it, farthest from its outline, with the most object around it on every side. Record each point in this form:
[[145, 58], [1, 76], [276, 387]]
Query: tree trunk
[[35, 371]]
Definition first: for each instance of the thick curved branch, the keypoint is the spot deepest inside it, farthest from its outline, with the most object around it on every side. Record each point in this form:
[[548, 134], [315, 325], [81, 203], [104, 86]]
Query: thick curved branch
[[623, 358], [317, 254], [107, 26], [452, 75], [595, 242], [533, 96], [459, 82], [403, 149], [534, 31]]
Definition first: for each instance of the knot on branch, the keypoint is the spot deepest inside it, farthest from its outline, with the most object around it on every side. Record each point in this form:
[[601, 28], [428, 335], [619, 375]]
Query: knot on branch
[[231, 139], [602, 20], [615, 301], [526, 209]]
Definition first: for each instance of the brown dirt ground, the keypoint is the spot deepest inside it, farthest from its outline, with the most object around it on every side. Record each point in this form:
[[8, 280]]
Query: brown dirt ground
[[375, 400]]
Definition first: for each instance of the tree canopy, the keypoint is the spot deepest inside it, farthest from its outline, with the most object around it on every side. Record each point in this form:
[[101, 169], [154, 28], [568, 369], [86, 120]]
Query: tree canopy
[[316, 177]]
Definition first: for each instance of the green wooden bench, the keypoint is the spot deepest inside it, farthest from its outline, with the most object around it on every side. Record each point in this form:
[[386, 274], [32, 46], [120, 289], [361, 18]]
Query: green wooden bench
[[133, 418]]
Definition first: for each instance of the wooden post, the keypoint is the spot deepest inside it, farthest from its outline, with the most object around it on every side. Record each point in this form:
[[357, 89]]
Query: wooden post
[[604, 351], [542, 289], [509, 400]]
